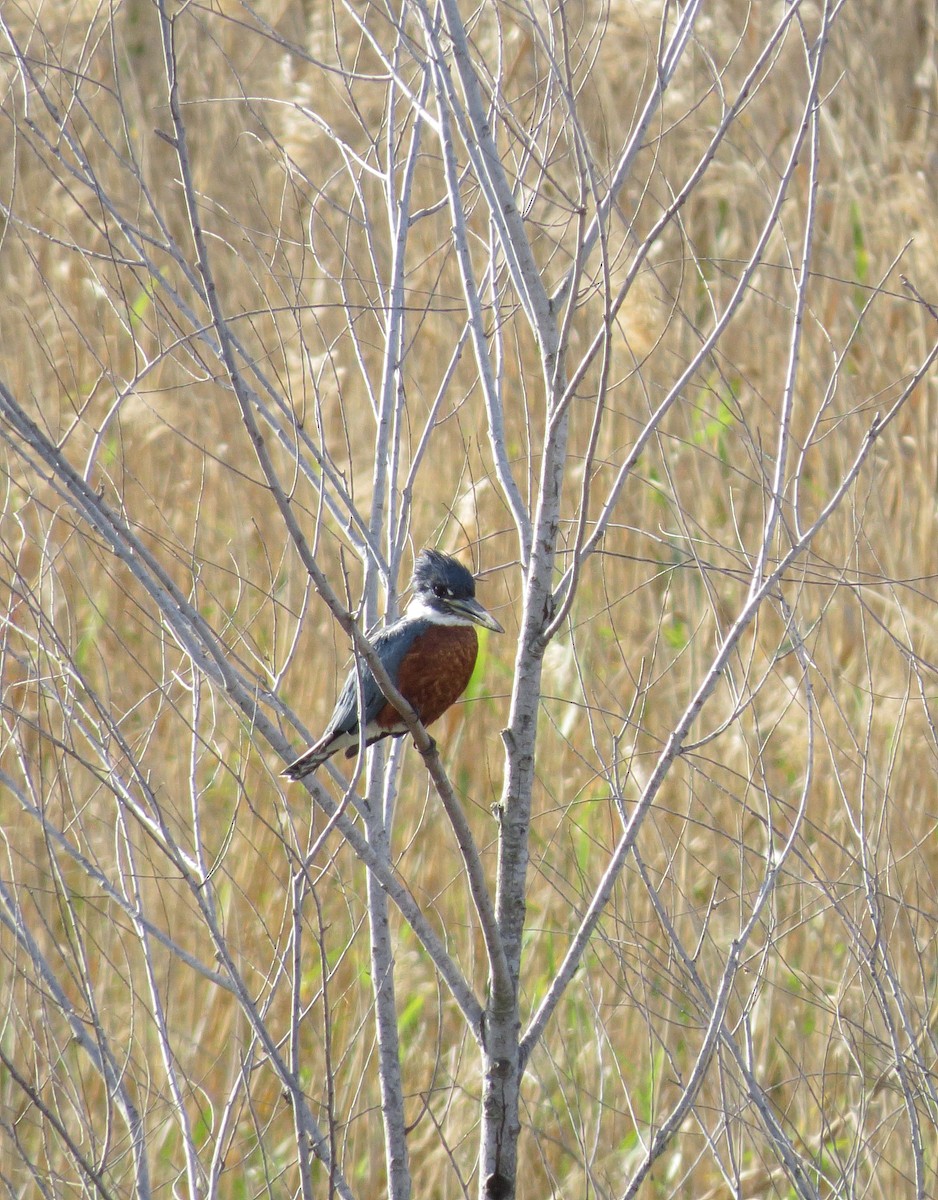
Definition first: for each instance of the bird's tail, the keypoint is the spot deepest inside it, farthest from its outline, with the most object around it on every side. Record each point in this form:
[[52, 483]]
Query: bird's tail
[[330, 744], [308, 761]]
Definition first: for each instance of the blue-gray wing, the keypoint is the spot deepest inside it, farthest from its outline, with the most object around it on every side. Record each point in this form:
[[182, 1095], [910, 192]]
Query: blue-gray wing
[[391, 645]]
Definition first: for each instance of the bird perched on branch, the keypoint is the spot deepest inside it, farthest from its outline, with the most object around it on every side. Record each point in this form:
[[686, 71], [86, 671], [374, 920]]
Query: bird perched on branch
[[429, 654]]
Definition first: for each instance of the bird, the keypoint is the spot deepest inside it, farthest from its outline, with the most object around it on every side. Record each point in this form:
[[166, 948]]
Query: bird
[[429, 655]]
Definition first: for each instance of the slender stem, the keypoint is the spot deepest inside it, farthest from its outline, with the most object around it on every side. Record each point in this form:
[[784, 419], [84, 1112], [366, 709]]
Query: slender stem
[[676, 740]]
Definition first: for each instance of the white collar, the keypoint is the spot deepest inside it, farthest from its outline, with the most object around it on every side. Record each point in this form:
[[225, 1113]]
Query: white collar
[[420, 610]]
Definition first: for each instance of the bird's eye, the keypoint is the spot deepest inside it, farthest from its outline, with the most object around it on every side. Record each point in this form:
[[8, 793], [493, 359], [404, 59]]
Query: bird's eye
[[441, 590]]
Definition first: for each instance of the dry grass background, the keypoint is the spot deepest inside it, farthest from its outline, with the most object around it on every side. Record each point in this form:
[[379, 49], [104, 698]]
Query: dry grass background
[[76, 326]]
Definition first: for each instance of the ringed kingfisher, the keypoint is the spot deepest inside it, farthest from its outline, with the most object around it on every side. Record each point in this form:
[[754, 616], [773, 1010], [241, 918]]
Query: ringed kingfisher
[[429, 654]]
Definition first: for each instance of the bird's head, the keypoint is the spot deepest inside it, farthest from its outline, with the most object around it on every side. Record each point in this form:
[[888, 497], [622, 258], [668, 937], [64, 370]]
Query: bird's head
[[445, 591]]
